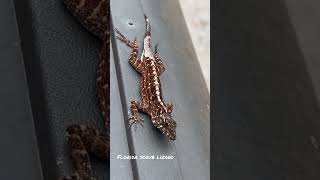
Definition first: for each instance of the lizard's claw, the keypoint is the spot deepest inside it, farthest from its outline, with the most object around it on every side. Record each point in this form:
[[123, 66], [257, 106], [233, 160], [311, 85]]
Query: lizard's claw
[[134, 120], [124, 39]]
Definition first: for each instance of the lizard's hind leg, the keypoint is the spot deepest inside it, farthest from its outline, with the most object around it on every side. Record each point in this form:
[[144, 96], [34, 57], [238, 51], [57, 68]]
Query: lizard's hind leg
[[135, 118]]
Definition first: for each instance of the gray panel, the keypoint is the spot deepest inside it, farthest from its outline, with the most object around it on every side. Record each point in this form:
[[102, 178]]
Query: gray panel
[[19, 152], [266, 116], [182, 83], [119, 169], [304, 17]]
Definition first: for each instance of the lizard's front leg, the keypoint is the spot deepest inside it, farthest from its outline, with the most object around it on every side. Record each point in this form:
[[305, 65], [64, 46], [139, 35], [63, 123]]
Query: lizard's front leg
[[135, 62], [135, 118]]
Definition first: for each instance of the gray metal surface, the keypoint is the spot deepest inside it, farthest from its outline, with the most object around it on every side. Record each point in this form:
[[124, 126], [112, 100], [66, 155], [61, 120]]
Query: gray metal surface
[[19, 158], [182, 83], [266, 88], [304, 18], [61, 59], [119, 169]]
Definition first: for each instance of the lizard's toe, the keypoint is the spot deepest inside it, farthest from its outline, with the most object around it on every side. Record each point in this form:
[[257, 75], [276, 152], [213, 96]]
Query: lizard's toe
[[134, 120]]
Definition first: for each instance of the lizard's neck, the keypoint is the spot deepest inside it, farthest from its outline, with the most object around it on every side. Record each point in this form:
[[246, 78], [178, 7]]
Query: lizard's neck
[[147, 48]]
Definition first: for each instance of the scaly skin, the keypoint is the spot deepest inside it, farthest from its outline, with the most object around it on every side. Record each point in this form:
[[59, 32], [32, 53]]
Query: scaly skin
[[84, 140], [150, 66]]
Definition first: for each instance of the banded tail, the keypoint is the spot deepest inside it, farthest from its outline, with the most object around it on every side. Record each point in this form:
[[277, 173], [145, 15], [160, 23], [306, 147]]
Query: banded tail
[[147, 44], [148, 27]]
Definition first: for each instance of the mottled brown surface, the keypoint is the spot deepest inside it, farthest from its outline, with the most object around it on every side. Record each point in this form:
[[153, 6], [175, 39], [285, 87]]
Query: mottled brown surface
[[84, 140], [103, 85]]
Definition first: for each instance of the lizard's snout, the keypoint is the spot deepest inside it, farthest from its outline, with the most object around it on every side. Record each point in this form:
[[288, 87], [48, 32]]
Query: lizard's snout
[[166, 125]]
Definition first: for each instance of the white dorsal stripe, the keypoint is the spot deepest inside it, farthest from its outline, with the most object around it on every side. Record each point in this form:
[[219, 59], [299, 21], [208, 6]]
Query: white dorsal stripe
[[146, 45]]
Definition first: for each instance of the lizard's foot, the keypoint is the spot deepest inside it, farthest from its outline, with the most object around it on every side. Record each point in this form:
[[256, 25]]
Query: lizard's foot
[[134, 120], [123, 38]]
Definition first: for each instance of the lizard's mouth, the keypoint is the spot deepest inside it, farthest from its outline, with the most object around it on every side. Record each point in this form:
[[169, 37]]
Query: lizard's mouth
[[166, 125]]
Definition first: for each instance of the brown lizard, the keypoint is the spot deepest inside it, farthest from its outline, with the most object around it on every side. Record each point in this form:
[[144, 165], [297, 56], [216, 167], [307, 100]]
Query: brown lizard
[[94, 16], [150, 66]]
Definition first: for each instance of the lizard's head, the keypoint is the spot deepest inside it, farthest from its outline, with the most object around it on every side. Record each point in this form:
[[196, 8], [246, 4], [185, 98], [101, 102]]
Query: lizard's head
[[165, 123]]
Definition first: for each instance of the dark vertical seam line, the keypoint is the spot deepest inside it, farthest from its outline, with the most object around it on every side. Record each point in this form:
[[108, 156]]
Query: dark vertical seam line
[[26, 30], [123, 103], [13, 9]]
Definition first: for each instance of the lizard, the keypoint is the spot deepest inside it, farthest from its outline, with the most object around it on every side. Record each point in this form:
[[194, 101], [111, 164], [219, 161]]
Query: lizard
[[84, 140], [150, 66]]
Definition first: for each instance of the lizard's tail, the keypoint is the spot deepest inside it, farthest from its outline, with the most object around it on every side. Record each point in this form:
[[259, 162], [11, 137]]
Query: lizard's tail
[[148, 27]]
